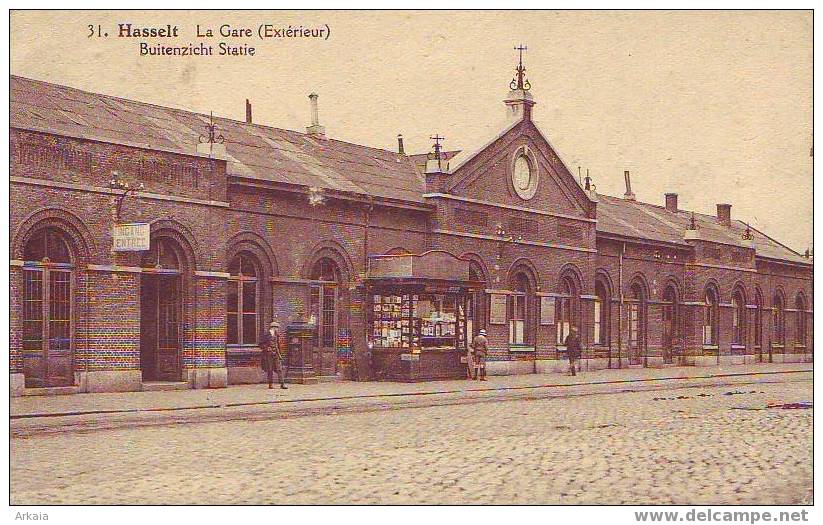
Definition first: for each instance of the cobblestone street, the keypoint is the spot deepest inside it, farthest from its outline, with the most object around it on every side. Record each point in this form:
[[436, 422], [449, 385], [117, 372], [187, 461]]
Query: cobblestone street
[[703, 445]]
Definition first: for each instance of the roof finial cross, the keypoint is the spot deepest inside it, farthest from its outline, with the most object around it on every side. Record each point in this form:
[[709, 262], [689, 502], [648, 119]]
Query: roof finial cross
[[520, 81], [437, 147]]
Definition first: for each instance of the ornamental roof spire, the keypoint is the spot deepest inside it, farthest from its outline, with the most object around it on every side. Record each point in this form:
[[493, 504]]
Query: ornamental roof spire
[[520, 81], [519, 101]]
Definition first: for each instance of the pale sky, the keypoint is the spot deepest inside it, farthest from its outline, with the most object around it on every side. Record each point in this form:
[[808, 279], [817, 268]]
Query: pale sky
[[716, 106]]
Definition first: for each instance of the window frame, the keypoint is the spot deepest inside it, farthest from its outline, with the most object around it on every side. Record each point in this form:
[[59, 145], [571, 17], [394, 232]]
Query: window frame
[[601, 319], [711, 302], [758, 319], [636, 316], [779, 319], [801, 326], [738, 319], [47, 269], [565, 314], [238, 283], [321, 292], [520, 311]]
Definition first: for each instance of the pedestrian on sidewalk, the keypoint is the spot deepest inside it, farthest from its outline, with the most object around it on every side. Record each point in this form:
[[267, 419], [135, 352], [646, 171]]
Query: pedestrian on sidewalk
[[271, 357], [573, 349], [479, 349]]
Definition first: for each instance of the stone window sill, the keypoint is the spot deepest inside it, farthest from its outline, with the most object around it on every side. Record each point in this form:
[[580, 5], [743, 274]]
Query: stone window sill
[[242, 349]]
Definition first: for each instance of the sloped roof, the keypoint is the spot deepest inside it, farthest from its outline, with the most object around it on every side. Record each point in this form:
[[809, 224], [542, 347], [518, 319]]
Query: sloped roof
[[264, 153], [626, 218], [254, 151]]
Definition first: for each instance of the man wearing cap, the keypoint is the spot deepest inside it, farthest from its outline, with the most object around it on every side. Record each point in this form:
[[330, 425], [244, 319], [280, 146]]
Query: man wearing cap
[[480, 347], [271, 358], [574, 349]]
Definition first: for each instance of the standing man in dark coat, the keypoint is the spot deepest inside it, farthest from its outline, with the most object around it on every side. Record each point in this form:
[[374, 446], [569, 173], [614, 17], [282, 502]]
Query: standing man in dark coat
[[574, 349], [271, 358], [479, 349]]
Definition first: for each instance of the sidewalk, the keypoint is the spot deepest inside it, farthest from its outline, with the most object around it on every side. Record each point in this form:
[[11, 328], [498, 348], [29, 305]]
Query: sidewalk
[[114, 410]]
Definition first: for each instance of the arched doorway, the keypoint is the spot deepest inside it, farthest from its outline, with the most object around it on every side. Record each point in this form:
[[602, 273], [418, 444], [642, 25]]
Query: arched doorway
[[325, 296], [670, 317], [637, 323], [161, 300], [47, 309]]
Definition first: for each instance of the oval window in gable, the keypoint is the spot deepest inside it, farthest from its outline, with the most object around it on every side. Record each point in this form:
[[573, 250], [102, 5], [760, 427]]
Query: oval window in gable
[[524, 174]]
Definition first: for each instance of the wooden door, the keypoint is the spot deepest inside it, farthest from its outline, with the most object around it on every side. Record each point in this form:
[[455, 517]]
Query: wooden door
[[160, 328], [168, 329], [324, 307], [47, 327]]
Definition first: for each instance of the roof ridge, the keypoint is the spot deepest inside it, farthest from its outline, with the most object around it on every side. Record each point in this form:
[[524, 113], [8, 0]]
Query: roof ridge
[[660, 206], [194, 112]]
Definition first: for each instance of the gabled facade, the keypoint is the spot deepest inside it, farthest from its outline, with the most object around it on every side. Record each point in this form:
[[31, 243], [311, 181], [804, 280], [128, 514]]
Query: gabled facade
[[265, 224]]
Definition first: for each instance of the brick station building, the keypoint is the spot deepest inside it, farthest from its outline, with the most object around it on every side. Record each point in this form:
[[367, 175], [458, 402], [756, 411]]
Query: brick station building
[[393, 260]]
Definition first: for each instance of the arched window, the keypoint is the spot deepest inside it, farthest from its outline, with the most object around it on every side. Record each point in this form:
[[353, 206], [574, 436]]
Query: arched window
[[800, 319], [779, 319], [242, 301], [670, 311], [710, 311], [758, 319], [602, 307], [475, 307], [519, 310], [738, 318], [163, 254], [637, 319], [324, 301], [565, 312], [47, 309]]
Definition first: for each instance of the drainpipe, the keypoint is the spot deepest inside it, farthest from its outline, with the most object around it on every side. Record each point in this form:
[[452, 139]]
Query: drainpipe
[[534, 335], [356, 370], [86, 323], [620, 308]]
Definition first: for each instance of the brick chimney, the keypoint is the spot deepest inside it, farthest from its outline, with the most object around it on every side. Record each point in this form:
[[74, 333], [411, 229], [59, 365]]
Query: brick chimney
[[724, 214], [315, 130], [671, 202], [400, 148], [248, 112]]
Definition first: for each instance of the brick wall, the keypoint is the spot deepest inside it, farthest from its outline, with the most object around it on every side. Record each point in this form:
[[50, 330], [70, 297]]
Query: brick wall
[[64, 182]]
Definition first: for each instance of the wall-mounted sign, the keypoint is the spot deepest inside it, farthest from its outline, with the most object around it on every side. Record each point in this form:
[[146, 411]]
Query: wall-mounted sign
[[497, 308], [131, 237], [410, 357], [546, 310]]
